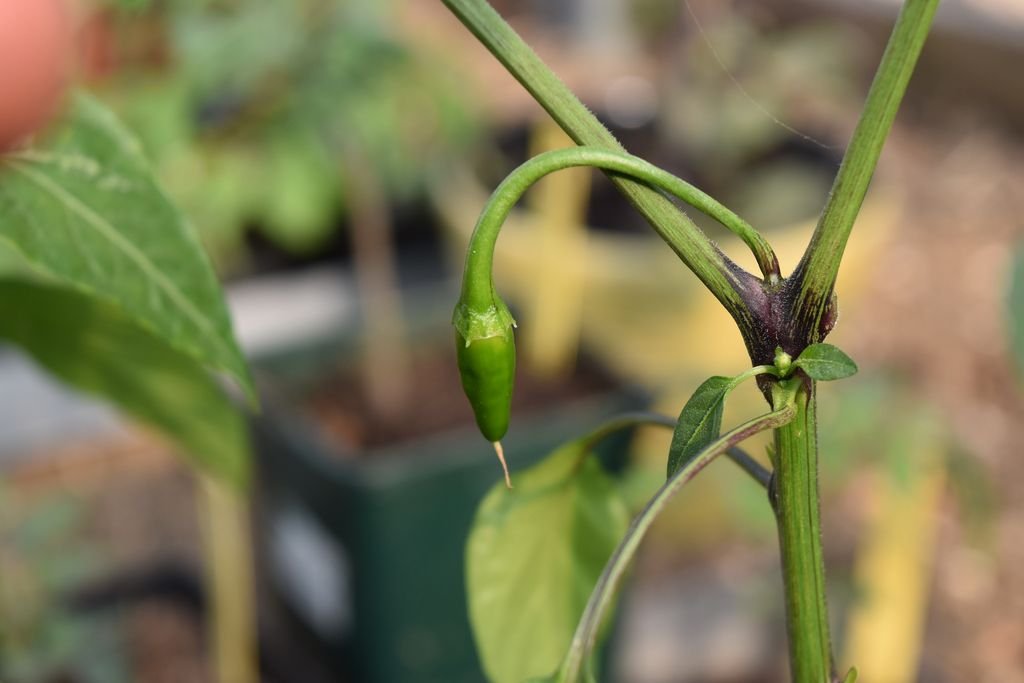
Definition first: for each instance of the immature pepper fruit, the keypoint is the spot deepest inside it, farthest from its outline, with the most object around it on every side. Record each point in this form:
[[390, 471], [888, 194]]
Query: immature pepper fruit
[[486, 349], [486, 353]]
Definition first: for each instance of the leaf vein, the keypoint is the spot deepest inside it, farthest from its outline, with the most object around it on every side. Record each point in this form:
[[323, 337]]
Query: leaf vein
[[105, 229]]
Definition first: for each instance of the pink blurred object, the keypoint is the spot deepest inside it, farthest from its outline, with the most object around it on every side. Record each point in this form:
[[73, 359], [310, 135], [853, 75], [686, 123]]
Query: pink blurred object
[[35, 65]]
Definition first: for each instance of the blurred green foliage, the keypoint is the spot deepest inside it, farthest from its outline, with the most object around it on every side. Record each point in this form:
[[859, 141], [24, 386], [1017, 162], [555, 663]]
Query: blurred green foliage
[[880, 421], [43, 556], [739, 88], [258, 110], [756, 109], [1015, 309]]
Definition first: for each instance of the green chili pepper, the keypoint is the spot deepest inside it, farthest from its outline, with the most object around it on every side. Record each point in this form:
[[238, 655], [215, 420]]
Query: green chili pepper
[[488, 367], [486, 352]]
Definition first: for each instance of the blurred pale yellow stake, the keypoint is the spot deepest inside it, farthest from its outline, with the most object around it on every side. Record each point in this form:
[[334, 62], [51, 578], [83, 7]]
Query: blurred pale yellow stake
[[554, 303], [893, 572], [224, 519]]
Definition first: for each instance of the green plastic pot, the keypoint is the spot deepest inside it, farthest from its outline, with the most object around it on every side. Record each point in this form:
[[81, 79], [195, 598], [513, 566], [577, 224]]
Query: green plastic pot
[[365, 551]]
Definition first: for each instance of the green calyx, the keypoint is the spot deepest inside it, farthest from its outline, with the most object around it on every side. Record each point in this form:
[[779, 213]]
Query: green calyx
[[486, 354], [476, 322]]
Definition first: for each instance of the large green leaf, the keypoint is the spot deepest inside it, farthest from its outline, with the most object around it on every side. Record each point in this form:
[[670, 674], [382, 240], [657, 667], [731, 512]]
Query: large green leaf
[[700, 422], [534, 554], [86, 210], [94, 347], [1016, 309]]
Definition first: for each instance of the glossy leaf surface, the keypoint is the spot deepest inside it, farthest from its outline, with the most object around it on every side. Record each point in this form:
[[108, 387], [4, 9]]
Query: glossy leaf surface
[[700, 422], [95, 348], [824, 362], [85, 210]]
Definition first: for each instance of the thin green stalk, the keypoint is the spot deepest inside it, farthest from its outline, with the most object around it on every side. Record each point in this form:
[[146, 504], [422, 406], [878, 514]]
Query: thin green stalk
[[476, 283], [725, 279], [637, 418], [755, 371], [796, 499], [602, 597], [755, 470], [798, 514], [641, 418], [816, 273]]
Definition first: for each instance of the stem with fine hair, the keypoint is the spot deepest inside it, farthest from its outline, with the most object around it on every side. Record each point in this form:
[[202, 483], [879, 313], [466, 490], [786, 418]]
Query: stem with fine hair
[[727, 281], [789, 315], [798, 514], [796, 496], [815, 276], [737, 455]]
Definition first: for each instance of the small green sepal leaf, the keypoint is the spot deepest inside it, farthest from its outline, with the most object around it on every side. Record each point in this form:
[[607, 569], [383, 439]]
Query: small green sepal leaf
[[482, 322], [825, 362], [851, 675], [534, 554], [700, 422]]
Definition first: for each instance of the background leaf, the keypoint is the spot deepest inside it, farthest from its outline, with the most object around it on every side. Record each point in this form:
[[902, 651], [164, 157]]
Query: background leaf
[[1016, 309], [534, 555], [558, 678], [87, 211], [824, 362], [700, 422], [94, 347]]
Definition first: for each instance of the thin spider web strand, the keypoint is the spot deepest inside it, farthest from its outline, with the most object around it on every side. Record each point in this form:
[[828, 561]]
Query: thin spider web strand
[[721, 63]]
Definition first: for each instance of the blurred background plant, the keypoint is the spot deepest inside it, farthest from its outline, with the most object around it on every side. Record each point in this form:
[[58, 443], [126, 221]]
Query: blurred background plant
[[283, 122], [289, 130], [44, 557], [263, 116]]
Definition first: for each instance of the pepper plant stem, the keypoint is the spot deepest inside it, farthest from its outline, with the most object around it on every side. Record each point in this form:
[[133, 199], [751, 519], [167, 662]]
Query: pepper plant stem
[[476, 283], [815, 276], [727, 281], [601, 600], [798, 514], [737, 455], [752, 467]]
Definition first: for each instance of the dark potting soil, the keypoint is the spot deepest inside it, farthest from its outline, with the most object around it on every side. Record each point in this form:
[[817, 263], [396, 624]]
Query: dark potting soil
[[434, 401]]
